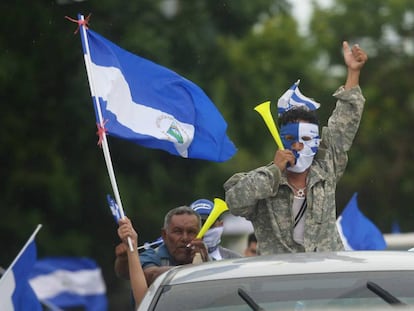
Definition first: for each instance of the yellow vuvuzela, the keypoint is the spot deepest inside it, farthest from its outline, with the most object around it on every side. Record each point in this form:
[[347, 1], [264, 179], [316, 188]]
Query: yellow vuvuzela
[[264, 110], [219, 208]]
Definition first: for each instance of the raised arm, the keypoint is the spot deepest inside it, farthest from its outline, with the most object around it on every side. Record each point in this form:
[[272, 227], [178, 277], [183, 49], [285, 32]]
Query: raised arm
[[136, 274], [355, 59]]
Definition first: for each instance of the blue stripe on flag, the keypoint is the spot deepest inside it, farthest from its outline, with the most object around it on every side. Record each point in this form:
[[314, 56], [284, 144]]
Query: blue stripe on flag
[[16, 294], [298, 99], [293, 97], [357, 230], [154, 106], [114, 208], [70, 282]]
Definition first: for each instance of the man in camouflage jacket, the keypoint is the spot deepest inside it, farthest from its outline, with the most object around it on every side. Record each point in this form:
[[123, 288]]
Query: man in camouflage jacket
[[265, 195]]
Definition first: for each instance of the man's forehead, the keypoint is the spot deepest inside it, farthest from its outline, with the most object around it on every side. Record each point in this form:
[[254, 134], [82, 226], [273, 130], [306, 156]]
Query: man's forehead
[[184, 220]]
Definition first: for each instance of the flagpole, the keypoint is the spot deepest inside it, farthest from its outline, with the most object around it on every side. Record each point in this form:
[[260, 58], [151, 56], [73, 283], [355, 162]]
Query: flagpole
[[39, 226], [105, 147]]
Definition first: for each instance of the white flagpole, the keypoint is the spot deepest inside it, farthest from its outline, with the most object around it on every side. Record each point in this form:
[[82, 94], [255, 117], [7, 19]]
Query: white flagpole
[[105, 147], [32, 237]]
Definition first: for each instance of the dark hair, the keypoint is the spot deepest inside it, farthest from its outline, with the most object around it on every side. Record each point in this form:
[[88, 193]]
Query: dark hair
[[298, 114], [181, 210], [251, 238]]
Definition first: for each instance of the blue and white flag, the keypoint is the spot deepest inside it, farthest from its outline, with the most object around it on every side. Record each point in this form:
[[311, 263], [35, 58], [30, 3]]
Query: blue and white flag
[[68, 282], [294, 98], [16, 294], [153, 106], [115, 210], [148, 245], [357, 231]]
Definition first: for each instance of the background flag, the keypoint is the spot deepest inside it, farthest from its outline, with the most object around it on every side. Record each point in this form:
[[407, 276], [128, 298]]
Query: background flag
[[148, 245], [15, 291], [395, 227], [357, 231], [68, 282], [154, 106], [293, 98], [116, 212]]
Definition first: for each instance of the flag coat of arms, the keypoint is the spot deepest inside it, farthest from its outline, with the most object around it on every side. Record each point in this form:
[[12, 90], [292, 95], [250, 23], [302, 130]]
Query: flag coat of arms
[[153, 106]]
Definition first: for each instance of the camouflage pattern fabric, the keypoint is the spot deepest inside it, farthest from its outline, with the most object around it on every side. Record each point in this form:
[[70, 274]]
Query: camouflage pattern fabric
[[264, 197]]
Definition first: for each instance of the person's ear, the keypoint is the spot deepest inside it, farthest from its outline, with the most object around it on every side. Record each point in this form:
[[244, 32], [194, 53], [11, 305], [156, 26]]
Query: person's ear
[[163, 234]]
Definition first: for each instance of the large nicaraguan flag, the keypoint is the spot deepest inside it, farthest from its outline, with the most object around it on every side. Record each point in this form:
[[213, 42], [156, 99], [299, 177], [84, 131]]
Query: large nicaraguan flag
[[16, 294], [68, 282], [293, 97], [153, 106], [357, 231]]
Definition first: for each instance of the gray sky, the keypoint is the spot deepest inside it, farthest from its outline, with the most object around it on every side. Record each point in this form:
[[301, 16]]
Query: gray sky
[[302, 11]]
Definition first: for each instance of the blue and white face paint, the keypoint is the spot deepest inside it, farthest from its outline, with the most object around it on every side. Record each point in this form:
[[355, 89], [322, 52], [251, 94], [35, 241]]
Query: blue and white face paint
[[308, 135]]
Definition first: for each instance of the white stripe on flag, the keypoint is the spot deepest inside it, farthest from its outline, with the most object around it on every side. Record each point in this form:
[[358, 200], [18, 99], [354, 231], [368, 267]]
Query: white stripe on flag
[[15, 291], [111, 85], [82, 282], [7, 289], [342, 235]]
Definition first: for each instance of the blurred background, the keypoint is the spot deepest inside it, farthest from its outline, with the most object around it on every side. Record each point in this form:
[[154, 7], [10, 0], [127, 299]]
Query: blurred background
[[242, 53]]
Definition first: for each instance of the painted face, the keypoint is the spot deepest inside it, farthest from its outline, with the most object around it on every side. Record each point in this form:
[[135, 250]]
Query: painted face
[[181, 231], [308, 135]]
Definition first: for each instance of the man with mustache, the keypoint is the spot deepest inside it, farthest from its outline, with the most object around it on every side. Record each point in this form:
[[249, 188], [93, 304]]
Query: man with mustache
[[181, 226]]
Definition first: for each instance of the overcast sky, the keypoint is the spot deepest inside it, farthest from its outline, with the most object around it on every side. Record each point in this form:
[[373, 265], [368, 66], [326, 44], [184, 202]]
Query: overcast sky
[[302, 11]]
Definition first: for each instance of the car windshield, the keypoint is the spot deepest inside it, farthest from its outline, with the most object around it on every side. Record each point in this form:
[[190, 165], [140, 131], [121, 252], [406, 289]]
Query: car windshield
[[328, 291]]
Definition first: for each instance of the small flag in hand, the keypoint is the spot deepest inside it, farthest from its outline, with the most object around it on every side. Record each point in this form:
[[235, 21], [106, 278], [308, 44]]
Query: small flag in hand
[[115, 210]]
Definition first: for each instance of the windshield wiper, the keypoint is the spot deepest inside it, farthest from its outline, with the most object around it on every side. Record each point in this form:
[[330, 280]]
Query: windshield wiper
[[249, 300], [382, 293]]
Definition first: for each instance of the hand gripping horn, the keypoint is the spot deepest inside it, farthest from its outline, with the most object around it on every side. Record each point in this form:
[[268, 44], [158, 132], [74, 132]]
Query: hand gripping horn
[[219, 208], [264, 110]]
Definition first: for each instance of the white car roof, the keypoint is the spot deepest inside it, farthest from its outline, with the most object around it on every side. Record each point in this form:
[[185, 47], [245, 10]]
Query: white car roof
[[290, 264]]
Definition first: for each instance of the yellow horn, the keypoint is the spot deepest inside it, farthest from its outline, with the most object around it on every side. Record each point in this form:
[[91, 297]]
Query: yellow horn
[[219, 208], [264, 110]]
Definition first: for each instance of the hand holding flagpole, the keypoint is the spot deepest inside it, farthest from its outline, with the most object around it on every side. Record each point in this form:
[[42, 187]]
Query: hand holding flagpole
[[123, 87], [101, 126]]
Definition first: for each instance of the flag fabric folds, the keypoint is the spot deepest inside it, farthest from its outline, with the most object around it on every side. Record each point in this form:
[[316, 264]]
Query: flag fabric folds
[[294, 98], [16, 294], [115, 210], [153, 106], [357, 231], [68, 282]]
